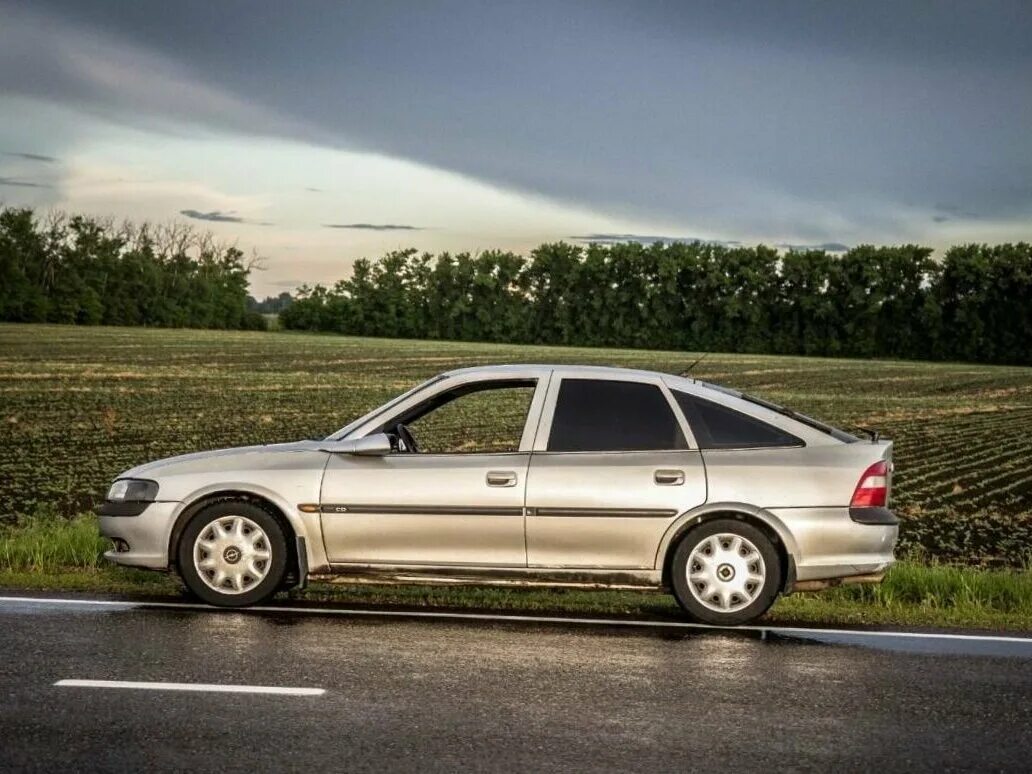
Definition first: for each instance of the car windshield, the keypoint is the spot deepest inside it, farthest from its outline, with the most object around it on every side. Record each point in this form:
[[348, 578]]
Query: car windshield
[[816, 424], [381, 409]]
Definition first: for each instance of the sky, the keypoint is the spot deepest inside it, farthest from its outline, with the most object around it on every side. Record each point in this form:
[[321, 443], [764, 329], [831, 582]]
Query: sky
[[320, 132]]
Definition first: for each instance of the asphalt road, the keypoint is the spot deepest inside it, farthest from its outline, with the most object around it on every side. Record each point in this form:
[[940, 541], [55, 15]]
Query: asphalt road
[[446, 694]]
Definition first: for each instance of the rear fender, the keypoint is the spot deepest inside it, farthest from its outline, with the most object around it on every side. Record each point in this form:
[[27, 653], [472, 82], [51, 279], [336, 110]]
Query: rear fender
[[695, 516]]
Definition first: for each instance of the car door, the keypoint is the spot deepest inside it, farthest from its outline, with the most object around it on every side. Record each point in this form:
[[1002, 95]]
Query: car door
[[459, 501], [612, 468]]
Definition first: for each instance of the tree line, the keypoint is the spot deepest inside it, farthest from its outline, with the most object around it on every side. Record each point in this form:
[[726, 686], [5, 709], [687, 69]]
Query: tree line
[[973, 304], [87, 270], [270, 304]]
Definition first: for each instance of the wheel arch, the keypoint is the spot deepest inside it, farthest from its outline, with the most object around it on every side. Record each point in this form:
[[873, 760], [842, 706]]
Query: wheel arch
[[292, 527], [763, 520]]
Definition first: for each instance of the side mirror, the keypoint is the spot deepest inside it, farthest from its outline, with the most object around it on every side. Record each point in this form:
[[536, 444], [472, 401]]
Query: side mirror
[[376, 445]]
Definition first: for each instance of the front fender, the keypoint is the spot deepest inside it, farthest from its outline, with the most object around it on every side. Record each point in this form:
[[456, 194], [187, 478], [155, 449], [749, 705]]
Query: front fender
[[304, 525]]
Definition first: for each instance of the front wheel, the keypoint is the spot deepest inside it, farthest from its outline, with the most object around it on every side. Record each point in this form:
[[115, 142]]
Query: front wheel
[[233, 554], [726, 572]]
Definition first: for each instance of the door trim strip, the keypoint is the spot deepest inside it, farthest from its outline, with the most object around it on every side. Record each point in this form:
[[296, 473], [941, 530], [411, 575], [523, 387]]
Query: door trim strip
[[342, 509], [614, 513], [421, 510]]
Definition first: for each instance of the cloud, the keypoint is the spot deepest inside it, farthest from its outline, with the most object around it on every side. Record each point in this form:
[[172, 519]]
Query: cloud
[[374, 226], [872, 110], [953, 211], [828, 247], [648, 239], [214, 216], [22, 183], [47, 54], [312, 189], [217, 216], [613, 239], [30, 156]]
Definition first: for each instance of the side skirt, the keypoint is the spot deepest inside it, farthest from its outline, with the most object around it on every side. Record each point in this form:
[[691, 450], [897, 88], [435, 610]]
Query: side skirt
[[491, 576]]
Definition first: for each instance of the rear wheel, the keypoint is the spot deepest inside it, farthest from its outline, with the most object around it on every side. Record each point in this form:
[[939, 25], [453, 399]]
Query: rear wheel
[[233, 554], [726, 572]]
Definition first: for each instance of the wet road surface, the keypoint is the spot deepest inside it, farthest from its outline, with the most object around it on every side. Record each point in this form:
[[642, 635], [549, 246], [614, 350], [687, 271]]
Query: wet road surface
[[364, 692]]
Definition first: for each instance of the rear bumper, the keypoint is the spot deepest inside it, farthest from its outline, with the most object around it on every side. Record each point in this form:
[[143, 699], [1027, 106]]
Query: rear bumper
[[881, 516], [830, 543], [146, 535]]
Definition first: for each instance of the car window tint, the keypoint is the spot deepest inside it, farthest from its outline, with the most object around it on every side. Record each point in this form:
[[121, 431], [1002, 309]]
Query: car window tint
[[488, 420], [603, 415], [718, 427]]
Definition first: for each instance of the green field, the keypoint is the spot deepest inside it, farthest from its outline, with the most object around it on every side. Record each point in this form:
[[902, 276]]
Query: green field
[[78, 405]]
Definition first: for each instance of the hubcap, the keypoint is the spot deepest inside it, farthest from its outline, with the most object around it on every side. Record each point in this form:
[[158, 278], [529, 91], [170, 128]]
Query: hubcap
[[232, 554], [725, 572]]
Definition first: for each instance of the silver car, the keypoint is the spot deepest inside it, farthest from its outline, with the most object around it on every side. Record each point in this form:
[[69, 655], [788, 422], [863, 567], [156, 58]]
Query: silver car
[[528, 475]]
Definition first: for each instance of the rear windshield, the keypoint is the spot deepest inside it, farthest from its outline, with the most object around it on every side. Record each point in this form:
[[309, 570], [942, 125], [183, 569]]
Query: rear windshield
[[816, 424]]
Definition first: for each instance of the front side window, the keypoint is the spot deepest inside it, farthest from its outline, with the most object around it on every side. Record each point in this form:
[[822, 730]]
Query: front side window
[[598, 415], [716, 426], [343, 432], [477, 418]]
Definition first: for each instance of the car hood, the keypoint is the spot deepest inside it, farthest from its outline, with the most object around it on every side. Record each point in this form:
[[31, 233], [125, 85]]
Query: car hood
[[250, 457]]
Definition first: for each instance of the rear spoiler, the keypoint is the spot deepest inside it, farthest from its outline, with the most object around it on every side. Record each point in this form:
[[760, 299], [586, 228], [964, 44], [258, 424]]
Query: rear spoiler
[[874, 435]]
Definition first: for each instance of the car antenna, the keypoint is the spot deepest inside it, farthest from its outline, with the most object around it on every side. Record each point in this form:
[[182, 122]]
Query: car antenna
[[688, 370]]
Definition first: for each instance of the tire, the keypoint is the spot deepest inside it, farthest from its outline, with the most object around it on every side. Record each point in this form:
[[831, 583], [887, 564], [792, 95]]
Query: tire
[[240, 540], [737, 587]]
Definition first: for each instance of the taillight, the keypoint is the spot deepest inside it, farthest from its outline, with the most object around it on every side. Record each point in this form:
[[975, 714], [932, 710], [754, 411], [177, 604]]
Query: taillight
[[873, 489]]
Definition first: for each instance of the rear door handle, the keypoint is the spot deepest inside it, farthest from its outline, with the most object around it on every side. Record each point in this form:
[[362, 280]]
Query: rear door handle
[[669, 477], [501, 478]]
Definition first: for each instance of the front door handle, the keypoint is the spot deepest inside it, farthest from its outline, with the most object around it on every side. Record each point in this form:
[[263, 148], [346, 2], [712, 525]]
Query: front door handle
[[501, 478], [669, 477]]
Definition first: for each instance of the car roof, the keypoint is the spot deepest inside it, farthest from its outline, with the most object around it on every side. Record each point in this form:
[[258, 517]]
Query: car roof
[[502, 370], [600, 372]]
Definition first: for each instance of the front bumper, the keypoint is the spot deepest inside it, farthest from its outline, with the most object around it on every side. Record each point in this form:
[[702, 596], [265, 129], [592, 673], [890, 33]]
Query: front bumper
[[145, 535]]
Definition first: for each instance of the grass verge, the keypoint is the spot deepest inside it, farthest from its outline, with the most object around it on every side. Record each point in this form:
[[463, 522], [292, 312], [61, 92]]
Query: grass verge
[[65, 555]]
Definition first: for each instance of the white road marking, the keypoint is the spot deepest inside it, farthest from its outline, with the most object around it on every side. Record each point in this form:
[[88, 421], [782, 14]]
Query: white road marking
[[625, 622], [208, 687]]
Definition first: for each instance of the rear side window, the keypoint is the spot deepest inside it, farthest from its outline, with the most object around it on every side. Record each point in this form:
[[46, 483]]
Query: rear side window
[[601, 415], [719, 427]]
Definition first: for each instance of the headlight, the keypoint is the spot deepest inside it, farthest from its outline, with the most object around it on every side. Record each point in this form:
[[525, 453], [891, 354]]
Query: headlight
[[133, 490]]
